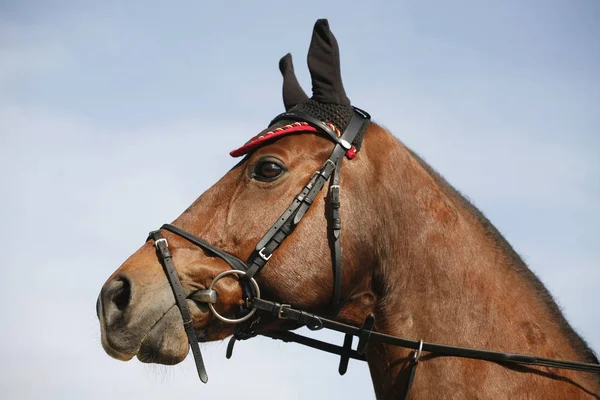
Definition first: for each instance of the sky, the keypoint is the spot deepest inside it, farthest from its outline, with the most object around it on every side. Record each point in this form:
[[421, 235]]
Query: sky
[[99, 101]]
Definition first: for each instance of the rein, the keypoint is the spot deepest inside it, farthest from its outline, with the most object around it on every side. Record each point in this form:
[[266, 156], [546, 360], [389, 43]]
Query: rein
[[265, 248]]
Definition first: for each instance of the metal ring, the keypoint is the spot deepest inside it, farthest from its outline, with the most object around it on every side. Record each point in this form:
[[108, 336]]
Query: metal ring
[[212, 307]]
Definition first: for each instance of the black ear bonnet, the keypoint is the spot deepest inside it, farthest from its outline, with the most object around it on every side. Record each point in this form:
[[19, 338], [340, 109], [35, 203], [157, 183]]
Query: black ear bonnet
[[328, 103]]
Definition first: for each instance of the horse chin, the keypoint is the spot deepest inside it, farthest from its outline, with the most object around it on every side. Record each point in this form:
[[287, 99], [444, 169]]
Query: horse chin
[[117, 355], [166, 343]]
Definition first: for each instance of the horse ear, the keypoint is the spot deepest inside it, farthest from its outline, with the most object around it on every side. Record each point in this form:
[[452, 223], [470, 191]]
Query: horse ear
[[324, 66], [292, 91]]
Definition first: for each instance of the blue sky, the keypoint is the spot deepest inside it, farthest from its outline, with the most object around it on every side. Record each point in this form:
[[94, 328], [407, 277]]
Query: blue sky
[[99, 100]]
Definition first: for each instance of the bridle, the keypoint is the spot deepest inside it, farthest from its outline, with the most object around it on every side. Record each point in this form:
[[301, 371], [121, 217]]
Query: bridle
[[265, 248]]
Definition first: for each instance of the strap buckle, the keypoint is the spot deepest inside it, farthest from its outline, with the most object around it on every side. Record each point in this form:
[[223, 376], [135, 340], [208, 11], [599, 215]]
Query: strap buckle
[[263, 256], [280, 312], [156, 242], [328, 161]]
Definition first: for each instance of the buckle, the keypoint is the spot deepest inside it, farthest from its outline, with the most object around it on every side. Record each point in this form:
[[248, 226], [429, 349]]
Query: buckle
[[280, 312], [263, 256], [156, 242], [328, 161]]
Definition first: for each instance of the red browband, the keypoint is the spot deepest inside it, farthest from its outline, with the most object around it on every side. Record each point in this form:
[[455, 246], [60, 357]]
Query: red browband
[[260, 139]]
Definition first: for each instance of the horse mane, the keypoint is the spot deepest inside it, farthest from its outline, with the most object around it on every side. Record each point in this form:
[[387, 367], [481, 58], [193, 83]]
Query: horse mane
[[576, 341]]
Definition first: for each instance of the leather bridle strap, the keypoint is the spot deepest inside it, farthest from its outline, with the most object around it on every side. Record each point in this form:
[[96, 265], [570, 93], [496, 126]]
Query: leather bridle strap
[[335, 228], [294, 213], [291, 337], [233, 261], [284, 311], [166, 259]]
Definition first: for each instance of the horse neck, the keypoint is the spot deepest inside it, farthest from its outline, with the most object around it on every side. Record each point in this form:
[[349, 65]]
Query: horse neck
[[443, 277]]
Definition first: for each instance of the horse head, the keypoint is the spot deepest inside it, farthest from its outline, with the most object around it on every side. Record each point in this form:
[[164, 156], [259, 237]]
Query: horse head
[[136, 307]]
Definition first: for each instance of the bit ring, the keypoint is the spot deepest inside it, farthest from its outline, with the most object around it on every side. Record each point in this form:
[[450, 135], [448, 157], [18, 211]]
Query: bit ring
[[212, 307]]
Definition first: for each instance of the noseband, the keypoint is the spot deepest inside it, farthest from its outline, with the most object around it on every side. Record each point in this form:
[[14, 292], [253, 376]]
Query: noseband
[[265, 248]]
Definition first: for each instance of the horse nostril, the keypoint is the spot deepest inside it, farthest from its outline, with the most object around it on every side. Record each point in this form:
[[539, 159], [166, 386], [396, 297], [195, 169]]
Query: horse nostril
[[115, 296], [122, 295]]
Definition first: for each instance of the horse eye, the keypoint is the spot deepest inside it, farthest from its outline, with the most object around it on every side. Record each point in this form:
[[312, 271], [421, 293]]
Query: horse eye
[[267, 170]]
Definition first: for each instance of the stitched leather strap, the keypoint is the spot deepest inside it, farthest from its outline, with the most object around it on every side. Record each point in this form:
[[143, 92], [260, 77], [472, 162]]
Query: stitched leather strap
[[335, 228], [233, 261], [291, 337], [287, 312], [164, 255]]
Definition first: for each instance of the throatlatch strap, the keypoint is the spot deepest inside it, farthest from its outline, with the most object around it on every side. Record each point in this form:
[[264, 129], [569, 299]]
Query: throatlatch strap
[[164, 255], [335, 228]]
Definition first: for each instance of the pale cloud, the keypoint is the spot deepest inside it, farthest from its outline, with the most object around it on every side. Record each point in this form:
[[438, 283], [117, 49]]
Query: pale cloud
[[29, 51], [20, 62]]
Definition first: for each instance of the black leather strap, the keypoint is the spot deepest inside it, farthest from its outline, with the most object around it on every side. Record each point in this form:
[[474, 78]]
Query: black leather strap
[[233, 261], [411, 377], [303, 317], [291, 337], [345, 355], [164, 255], [335, 228], [365, 334]]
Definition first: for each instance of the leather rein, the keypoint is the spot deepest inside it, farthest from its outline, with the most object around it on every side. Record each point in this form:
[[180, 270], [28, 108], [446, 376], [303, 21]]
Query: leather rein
[[285, 224]]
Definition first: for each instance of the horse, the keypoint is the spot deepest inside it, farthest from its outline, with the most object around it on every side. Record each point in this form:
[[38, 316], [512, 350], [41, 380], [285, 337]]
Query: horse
[[417, 260]]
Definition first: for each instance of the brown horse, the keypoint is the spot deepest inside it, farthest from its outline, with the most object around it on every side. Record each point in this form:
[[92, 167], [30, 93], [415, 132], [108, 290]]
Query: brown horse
[[426, 263]]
